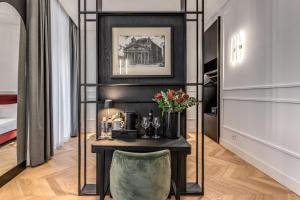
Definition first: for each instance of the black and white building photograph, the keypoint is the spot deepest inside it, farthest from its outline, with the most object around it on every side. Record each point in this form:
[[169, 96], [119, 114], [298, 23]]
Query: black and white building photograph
[[142, 51]]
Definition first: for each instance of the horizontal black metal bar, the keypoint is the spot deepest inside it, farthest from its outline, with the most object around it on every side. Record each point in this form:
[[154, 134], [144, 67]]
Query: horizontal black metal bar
[[192, 189], [88, 190], [135, 84], [94, 20], [140, 13], [115, 101], [101, 101], [194, 12], [90, 102], [191, 20]]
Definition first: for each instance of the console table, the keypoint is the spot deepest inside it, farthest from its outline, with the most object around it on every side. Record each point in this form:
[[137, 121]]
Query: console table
[[179, 148]]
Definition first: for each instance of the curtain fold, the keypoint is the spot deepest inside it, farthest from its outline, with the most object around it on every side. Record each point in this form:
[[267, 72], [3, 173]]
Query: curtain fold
[[74, 55], [22, 103], [40, 137], [61, 71]]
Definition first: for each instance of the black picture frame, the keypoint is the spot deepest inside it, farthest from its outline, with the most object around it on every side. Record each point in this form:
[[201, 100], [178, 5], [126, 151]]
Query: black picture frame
[[147, 76], [106, 23]]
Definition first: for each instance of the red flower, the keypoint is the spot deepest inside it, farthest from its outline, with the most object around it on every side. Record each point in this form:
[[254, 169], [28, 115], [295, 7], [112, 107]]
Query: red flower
[[179, 100], [158, 96], [171, 95], [172, 92], [185, 97]]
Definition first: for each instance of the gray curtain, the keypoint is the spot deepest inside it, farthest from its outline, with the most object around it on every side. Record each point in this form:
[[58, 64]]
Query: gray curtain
[[22, 83], [40, 135], [74, 55]]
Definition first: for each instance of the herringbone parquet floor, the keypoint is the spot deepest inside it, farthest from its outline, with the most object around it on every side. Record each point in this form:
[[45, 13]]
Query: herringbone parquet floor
[[227, 178], [8, 157]]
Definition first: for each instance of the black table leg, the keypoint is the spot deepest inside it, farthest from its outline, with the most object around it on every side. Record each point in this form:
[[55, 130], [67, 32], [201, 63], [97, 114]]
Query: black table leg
[[101, 176], [178, 179], [98, 165]]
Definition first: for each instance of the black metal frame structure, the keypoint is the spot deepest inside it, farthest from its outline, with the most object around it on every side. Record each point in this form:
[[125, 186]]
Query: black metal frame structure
[[195, 188]]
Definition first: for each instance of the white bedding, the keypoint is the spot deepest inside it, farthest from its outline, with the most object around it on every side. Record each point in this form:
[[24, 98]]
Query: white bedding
[[7, 125], [8, 111]]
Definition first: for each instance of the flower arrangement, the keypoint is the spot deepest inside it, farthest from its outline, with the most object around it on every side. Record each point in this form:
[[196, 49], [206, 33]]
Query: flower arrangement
[[174, 101]]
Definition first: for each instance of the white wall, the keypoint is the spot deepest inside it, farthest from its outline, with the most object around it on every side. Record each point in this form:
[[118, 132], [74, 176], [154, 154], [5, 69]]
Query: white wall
[[139, 5], [211, 9], [9, 48], [261, 96], [71, 8]]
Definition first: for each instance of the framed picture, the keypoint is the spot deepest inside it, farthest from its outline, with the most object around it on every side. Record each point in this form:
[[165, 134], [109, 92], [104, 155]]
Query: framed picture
[[141, 52]]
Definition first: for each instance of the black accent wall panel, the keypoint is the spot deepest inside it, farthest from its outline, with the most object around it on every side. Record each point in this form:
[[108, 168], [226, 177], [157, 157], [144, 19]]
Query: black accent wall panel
[[132, 93], [175, 21], [138, 97]]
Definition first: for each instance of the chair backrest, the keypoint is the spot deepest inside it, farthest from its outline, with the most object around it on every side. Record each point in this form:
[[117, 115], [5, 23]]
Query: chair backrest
[[140, 176]]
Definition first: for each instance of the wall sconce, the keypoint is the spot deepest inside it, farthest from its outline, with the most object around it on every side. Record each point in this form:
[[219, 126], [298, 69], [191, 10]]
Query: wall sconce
[[233, 48], [237, 48]]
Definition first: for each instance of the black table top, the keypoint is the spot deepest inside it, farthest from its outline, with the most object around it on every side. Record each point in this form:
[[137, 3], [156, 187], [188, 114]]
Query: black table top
[[180, 145]]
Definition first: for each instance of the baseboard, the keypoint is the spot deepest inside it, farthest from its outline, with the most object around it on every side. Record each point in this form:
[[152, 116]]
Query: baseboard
[[276, 174]]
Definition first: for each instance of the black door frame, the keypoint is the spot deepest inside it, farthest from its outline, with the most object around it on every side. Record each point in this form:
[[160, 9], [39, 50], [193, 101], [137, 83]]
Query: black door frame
[[20, 6]]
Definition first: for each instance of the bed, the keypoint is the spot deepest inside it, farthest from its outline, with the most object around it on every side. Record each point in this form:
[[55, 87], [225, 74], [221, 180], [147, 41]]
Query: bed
[[8, 117], [8, 130], [6, 99]]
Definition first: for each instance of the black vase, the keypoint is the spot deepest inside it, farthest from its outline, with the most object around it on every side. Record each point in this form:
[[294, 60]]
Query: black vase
[[172, 125]]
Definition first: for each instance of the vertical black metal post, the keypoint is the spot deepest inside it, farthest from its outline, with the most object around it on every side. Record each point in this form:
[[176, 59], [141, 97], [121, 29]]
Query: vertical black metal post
[[99, 5], [183, 6], [79, 99], [85, 96], [97, 70], [197, 92], [202, 32]]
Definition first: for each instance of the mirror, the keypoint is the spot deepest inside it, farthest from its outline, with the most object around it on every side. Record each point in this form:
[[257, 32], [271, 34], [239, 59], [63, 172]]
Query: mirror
[[12, 51]]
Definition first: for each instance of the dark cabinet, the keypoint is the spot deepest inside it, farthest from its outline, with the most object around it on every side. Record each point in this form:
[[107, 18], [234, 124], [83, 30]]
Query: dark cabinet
[[211, 91], [210, 127]]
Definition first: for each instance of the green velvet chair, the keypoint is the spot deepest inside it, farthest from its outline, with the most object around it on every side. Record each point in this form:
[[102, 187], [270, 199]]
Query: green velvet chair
[[140, 176]]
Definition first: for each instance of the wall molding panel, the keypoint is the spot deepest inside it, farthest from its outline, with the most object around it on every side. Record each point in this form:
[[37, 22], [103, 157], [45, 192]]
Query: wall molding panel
[[287, 101], [256, 139], [260, 97], [263, 87], [270, 170]]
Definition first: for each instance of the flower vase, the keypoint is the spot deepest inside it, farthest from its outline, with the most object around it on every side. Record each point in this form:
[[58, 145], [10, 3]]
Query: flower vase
[[172, 125]]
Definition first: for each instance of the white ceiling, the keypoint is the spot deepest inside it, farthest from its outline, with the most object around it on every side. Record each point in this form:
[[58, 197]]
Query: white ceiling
[[211, 6]]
